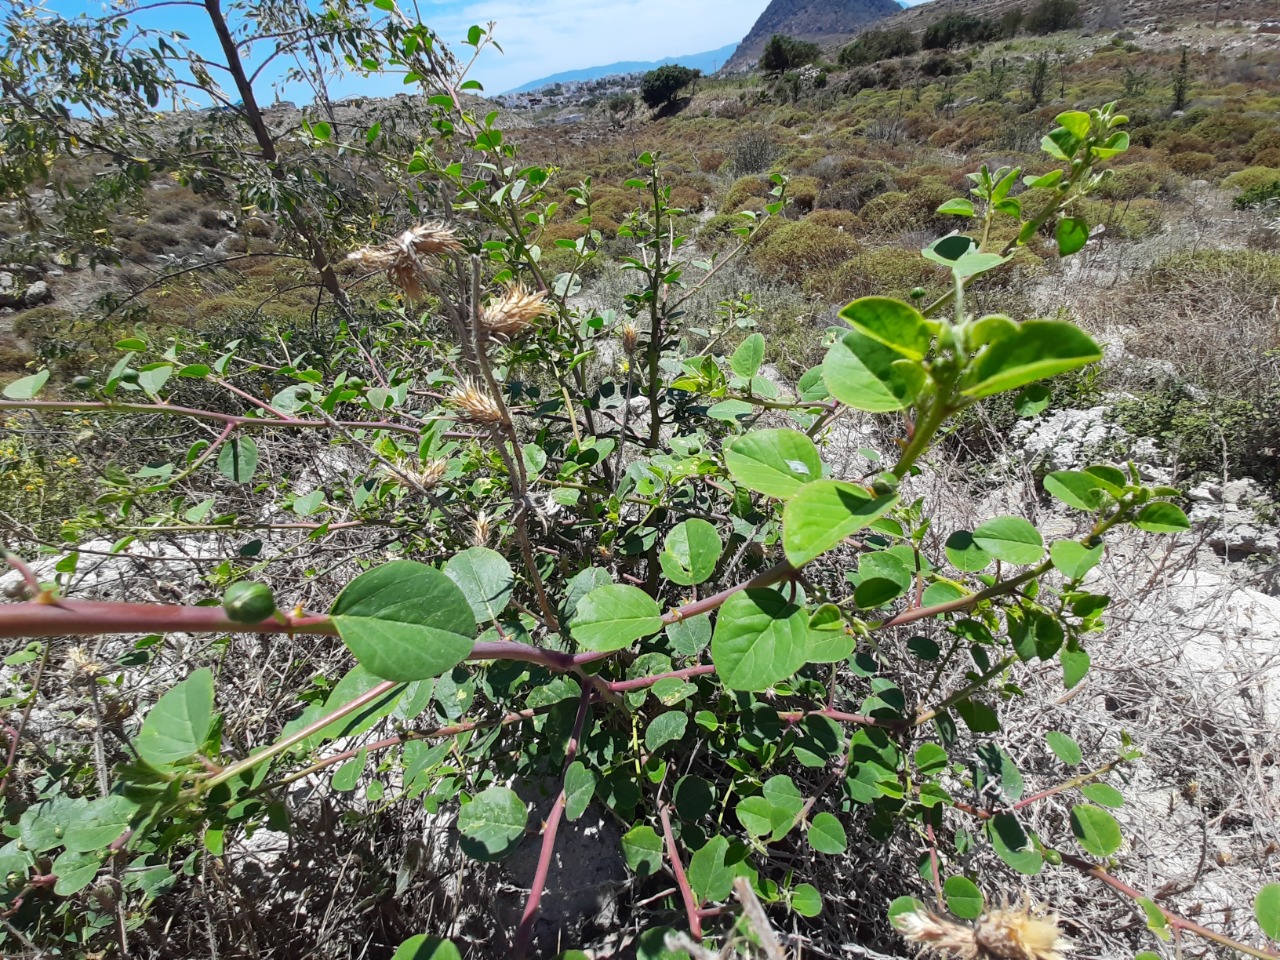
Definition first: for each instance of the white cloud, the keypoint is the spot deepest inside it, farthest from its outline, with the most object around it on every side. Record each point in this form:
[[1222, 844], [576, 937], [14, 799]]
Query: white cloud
[[555, 35]]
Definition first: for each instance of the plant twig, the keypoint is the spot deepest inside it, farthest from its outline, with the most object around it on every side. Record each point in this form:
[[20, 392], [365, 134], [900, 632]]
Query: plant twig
[[677, 868]]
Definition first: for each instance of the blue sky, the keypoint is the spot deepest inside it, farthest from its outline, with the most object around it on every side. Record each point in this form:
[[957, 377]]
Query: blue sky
[[539, 38]]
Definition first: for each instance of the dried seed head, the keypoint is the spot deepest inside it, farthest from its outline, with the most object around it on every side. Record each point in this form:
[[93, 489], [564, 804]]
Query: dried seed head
[[81, 666], [431, 474], [630, 337], [514, 311], [474, 403], [482, 529], [1025, 932], [401, 258]]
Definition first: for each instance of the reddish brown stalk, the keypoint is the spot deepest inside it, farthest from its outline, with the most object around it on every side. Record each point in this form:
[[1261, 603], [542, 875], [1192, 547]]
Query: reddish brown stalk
[[795, 716], [783, 571], [525, 931], [622, 686], [677, 868]]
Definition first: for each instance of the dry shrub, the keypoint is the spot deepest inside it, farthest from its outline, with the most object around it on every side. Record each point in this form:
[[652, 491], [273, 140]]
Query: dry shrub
[[886, 271], [688, 199], [839, 219], [1193, 162], [743, 190]]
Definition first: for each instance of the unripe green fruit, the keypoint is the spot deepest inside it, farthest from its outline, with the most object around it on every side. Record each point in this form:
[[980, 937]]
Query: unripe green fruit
[[82, 383], [247, 602], [354, 383], [917, 293], [129, 376]]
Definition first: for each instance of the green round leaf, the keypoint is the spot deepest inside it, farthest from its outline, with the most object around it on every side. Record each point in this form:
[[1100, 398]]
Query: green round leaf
[[756, 816], [693, 797], [665, 728], [759, 640], [238, 459], [178, 725], [1073, 559], [1075, 488], [894, 324], [824, 513], [615, 616], [1039, 349], [966, 555], [691, 552], [423, 947], [1064, 748], [405, 621], [1103, 794], [903, 906], [1095, 830], [826, 834], [579, 788], [806, 900], [1033, 400], [101, 824], [1072, 234], [776, 463], [964, 899], [642, 849], [1012, 845], [830, 639], [1266, 907], [1010, 539], [870, 376], [709, 875], [1161, 517], [26, 388], [75, 871], [485, 578], [492, 824]]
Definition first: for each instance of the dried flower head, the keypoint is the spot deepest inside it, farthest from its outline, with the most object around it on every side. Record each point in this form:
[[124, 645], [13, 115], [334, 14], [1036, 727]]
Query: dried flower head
[[402, 258], [630, 337], [80, 665], [1024, 932], [482, 529], [514, 311], [474, 403], [431, 473]]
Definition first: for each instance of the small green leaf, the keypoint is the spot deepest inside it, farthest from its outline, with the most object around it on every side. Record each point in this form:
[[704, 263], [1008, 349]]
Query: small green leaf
[[747, 358], [1075, 488], [966, 555], [903, 906], [615, 616], [1076, 122], [1010, 539], [806, 900], [180, 722], [1072, 234], [964, 899], [1039, 349], [1157, 923], [867, 375], [776, 463], [1161, 517], [102, 823], [1064, 748], [826, 835], [1033, 400], [1266, 907], [709, 875], [492, 824], [423, 947], [1103, 794], [824, 513], [1073, 559], [579, 788], [665, 728], [485, 578], [26, 388], [405, 621], [75, 870], [1095, 830], [238, 459], [347, 777], [830, 639], [691, 552], [642, 849], [321, 130], [958, 207], [1012, 845], [896, 325], [760, 639]]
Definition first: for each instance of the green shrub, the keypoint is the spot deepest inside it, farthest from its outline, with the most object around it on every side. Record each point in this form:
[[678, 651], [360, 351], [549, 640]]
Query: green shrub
[[1259, 195], [959, 28], [744, 189], [1050, 16], [783, 53], [1252, 177], [876, 45], [793, 250]]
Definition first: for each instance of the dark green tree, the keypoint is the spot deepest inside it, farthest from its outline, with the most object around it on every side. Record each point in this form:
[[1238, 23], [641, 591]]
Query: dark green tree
[[661, 87], [787, 53], [876, 45], [1181, 82], [1050, 16], [960, 28]]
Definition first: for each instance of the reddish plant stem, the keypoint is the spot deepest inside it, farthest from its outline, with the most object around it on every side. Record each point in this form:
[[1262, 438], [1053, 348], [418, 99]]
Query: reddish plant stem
[[795, 716], [525, 931], [639, 683], [1067, 785], [677, 868], [783, 571], [1174, 920]]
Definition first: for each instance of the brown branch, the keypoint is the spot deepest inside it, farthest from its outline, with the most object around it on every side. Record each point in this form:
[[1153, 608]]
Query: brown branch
[[677, 868]]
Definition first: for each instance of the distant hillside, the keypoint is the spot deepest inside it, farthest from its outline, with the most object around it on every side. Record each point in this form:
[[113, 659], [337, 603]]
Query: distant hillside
[[1100, 14], [708, 62], [825, 21]]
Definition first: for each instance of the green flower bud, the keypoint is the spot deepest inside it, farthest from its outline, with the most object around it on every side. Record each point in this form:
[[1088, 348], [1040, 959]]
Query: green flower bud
[[247, 602]]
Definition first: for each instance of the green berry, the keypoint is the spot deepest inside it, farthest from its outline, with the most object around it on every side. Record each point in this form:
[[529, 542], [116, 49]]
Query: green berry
[[129, 376], [247, 602], [917, 293], [82, 383]]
